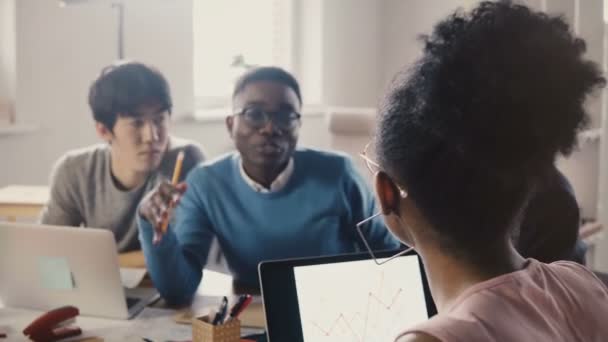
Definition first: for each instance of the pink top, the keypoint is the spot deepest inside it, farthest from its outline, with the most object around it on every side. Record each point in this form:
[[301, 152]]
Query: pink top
[[562, 301]]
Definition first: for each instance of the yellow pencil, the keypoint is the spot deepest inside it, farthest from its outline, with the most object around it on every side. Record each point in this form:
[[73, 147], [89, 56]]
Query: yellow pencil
[[176, 174]]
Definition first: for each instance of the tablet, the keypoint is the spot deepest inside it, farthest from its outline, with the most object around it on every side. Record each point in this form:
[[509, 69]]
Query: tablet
[[344, 297]]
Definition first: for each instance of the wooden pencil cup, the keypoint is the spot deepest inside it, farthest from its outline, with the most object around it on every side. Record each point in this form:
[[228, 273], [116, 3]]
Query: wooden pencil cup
[[203, 331]]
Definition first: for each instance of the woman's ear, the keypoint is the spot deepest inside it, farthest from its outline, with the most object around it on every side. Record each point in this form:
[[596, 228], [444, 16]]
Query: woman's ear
[[387, 193]]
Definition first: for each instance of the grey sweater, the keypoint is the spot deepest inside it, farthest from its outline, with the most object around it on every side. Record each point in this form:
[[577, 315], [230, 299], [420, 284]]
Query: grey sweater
[[83, 191]]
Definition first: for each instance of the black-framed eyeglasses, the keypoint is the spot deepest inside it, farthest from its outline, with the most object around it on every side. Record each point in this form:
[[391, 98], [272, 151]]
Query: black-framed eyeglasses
[[257, 118], [374, 168]]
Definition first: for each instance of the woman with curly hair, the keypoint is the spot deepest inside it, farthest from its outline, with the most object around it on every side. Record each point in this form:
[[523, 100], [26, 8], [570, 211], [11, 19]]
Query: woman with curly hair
[[465, 137]]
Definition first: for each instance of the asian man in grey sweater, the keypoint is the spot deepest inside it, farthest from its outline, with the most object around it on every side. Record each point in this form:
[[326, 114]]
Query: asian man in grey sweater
[[101, 186]]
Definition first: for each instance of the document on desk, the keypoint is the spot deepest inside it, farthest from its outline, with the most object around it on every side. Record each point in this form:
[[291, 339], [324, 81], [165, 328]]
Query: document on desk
[[132, 277], [158, 325]]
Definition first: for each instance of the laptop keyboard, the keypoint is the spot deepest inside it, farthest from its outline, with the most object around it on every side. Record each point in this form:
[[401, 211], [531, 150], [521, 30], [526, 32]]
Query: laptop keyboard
[[132, 301]]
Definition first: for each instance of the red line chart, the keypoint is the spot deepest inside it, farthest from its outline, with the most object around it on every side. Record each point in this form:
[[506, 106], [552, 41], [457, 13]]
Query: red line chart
[[346, 323]]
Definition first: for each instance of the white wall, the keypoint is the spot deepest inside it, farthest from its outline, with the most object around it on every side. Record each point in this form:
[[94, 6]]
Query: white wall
[[402, 23], [350, 49], [7, 51], [59, 51], [336, 57], [308, 54], [350, 52], [160, 32]]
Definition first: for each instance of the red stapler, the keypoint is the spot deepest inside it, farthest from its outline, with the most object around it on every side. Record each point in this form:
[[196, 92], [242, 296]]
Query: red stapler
[[52, 325]]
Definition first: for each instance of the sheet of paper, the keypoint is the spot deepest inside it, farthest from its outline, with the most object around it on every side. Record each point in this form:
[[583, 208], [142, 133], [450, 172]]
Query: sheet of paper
[[131, 277], [158, 325], [55, 273]]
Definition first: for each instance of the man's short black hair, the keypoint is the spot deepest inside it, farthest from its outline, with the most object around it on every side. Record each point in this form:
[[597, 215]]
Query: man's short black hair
[[122, 88], [274, 74], [479, 119]]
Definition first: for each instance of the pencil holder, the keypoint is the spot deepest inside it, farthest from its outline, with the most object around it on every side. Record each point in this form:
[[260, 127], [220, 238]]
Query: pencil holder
[[203, 331]]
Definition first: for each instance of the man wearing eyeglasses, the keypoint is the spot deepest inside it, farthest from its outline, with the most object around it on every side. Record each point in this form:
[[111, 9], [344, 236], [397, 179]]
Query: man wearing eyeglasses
[[268, 201]]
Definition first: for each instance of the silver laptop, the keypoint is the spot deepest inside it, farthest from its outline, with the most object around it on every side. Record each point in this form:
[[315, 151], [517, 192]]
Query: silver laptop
[[43, 267]]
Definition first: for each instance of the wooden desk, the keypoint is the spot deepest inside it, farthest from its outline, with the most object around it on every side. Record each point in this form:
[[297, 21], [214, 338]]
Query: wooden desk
[[20, 201], [156, 323], [134, 259]]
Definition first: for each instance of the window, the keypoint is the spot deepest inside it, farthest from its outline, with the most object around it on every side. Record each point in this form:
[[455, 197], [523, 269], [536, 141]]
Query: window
[[231, 36]]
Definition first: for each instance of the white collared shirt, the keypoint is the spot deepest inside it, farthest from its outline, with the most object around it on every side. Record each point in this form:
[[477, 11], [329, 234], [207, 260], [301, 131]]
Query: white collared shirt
[[276, 185]]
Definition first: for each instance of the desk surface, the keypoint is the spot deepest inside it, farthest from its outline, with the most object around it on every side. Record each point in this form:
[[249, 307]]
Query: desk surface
[[155, 323], [24, 195]]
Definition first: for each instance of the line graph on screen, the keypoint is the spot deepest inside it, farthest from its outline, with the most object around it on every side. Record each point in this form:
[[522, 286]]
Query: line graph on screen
[[355, 307]]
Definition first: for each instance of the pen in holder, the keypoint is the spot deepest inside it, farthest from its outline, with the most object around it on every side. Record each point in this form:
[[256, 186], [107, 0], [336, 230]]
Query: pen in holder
[[204, 331]]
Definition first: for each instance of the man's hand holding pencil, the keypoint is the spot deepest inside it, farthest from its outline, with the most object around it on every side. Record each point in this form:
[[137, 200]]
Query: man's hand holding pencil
[[157, 206]]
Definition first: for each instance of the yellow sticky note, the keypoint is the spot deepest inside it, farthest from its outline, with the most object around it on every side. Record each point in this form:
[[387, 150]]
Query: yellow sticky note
[[55, 273]]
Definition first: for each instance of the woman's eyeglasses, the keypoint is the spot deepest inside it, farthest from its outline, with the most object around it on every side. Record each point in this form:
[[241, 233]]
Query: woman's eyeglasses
[[374, 168]]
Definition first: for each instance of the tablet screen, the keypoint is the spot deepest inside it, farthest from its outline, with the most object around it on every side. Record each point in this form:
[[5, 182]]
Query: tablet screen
[[359, 300]]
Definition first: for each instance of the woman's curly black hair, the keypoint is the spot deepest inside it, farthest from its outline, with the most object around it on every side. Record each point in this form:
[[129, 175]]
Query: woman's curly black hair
[[478, 120]]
